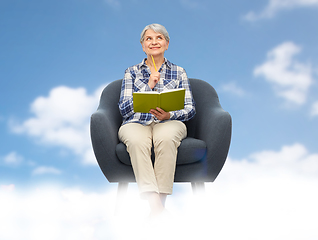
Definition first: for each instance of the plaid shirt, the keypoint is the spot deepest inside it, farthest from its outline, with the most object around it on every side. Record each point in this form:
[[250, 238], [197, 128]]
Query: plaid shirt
[[136, 80]]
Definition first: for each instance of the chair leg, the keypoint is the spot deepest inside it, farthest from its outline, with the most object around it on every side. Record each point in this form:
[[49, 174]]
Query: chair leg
[[198, 187], [121, 193]]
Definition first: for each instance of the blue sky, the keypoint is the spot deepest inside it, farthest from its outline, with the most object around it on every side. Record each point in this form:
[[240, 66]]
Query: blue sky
[[260, 56]]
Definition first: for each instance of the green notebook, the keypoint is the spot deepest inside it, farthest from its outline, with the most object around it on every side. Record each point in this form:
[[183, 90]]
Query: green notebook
[[168, 100]]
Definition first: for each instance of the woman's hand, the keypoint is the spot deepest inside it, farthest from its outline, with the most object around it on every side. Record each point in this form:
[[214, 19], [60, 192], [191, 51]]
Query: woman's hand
[[153, 79], [160, 114]]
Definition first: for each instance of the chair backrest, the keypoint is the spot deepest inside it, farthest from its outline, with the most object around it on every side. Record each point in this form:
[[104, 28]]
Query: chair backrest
[[109, 100], [204, 95]]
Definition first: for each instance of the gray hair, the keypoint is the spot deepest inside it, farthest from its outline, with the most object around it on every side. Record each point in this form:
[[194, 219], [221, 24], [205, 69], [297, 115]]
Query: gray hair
[[157, 28]]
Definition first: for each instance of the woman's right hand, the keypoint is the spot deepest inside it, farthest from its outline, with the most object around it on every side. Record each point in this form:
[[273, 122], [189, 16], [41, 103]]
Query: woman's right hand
[[153, 79]]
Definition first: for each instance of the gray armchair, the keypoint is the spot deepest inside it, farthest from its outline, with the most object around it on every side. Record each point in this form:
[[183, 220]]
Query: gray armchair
[[201, 155]]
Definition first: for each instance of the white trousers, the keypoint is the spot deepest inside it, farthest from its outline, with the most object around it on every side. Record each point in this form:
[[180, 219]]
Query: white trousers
[[166, 138]]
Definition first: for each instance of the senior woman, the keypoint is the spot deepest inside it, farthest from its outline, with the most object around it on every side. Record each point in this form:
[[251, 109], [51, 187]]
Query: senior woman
[[163, 130]]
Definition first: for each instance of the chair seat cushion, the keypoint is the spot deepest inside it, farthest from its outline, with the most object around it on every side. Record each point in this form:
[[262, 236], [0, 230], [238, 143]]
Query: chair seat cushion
[[191, 150]]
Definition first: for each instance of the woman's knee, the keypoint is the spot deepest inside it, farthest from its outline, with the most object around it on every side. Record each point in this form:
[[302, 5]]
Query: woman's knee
[[134, 134], [138, 142], [173, 133]]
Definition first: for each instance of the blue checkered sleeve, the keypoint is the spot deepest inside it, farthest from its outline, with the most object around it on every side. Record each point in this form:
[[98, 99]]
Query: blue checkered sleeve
[[125, 104]]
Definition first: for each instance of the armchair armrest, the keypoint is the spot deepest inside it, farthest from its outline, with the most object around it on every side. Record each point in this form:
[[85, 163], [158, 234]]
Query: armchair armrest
[[215, 127], [104, 138], [103, 127]]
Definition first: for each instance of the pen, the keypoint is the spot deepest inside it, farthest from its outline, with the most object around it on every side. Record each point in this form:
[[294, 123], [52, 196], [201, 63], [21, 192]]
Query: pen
[[154, 63]]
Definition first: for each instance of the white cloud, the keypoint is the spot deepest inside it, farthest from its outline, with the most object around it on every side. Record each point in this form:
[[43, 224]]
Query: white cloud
[[275, 6], [289, 78], [268, 195], [314, 109], [62, 119], [46, 170], [290, 161], [53, 213], [12, 159], [7, 188], [232, 88]]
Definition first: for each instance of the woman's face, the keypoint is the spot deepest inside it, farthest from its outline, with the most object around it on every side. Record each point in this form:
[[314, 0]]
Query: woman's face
[[154, 43]]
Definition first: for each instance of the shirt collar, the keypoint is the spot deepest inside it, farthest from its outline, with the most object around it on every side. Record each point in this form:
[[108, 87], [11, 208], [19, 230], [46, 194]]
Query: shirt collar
[[144, 65]]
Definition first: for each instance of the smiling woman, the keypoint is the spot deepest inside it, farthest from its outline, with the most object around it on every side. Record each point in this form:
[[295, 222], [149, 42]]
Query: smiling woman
[[155, 41], [154, 45], [164, 130]]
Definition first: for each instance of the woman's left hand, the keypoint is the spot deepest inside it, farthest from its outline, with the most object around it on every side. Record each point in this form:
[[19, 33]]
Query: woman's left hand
[[160, 114]]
